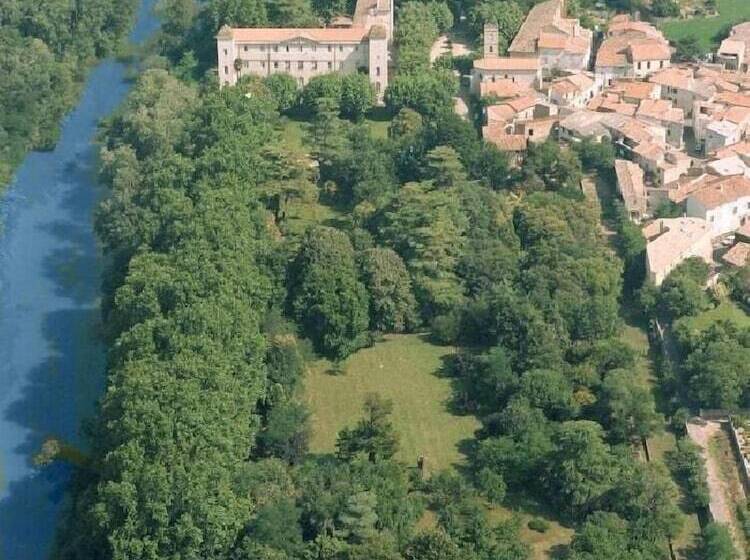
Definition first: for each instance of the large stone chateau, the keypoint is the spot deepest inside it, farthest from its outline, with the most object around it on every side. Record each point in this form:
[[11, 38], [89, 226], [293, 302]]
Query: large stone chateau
[[348, 45]]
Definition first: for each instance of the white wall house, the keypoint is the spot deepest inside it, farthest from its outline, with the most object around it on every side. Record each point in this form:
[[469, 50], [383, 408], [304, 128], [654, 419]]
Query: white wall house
[[724, 204]]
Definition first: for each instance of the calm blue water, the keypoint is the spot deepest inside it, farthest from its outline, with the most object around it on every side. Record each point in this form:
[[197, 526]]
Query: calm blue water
[[51, 359]]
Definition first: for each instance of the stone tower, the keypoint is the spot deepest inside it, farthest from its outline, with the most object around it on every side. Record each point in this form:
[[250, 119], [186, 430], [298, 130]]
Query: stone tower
[[491, 40]]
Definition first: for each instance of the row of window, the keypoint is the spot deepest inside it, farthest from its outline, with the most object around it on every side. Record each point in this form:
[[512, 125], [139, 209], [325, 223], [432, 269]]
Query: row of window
[[287, 48], [648, 65], [300, 66]]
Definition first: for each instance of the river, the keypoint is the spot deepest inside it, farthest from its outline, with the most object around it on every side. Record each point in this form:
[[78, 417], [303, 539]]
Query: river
[[51, 356]]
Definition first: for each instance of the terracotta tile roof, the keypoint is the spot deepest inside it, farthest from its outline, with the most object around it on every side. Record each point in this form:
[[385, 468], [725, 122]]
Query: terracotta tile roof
[[729, 98], [539, 16], [507, 63], [722, 191], [630, 182], [552, 41], [619, 27], [738, 115], [650, 150], [671, 239], [635, 90], [731, 47], [585, 123], [660, 110], [613, 52], [737, 255], [502, 88], [611, 104], [572, 83], [500, 113], [318, 35], [740, 148], [505, 142], [522, 103], [679, 78], [649, 50]]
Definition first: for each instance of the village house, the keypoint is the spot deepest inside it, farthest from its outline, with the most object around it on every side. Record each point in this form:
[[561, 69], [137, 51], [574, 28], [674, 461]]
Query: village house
[[362, 45], [724, 203], [559, 42], [661, 112], [682, 88], [573, 91], [631, 51], [734, 52], [671, 241], [526, 72], [632, 189]]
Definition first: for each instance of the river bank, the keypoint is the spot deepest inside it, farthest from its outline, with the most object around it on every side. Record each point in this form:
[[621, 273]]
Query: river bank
[[51, 358]]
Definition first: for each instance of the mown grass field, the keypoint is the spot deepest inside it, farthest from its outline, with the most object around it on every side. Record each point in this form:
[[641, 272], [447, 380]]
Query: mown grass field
[[726, 311], [706, 28], [405, 369]]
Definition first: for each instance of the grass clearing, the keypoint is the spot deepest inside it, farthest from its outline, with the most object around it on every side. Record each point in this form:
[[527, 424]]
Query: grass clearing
[[706, 28], [725, 311], [403, 368], [543, 545]]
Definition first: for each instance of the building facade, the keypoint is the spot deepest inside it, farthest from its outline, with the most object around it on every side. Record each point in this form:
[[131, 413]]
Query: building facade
[[362, 46]]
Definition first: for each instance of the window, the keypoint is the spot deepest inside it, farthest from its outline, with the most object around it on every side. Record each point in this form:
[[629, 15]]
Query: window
[[287, 48], [330, 48], [377, 71], [300, 47], [288, 65], [276, 65], [493, 79], [262, 48], [275, 48], [226, 52], [648, 65], [734, 210], [639, 66], [315, 65], [330, 65], [262, 63], [300, 65], [245, 48], [226, 70], [341, 48], [531, 132]]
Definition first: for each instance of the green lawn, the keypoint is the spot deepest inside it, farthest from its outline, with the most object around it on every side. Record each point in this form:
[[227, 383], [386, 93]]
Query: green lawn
[[727, 311], [402, 368], [705, 28]]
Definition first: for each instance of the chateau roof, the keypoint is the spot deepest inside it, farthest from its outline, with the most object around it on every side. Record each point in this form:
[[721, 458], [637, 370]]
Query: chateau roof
[[354, 34]]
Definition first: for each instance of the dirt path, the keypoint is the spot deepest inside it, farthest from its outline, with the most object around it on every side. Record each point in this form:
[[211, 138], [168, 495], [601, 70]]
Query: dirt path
[[722, 505], [448, 44]]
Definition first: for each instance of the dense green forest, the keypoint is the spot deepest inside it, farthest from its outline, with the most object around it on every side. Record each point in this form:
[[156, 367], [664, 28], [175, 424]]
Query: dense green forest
[[47, 48], [213, 302]]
